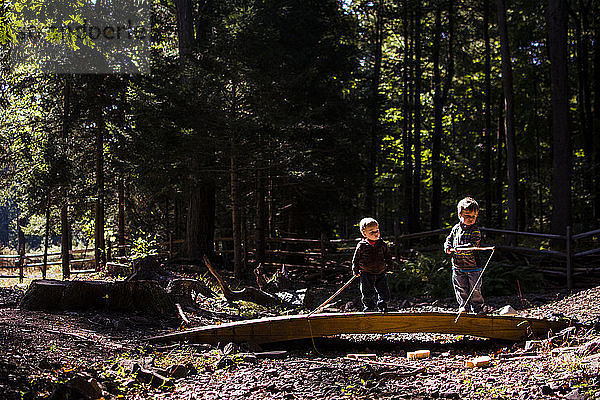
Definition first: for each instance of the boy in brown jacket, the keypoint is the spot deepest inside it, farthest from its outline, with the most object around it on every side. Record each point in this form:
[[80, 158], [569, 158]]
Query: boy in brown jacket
[[371, 259]]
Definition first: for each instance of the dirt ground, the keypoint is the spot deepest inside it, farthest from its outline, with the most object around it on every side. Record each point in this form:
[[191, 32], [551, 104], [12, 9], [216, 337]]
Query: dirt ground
[[83, 355]]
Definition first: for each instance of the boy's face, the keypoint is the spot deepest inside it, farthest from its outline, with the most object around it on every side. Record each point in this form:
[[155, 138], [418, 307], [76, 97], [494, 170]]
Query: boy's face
[[371, 232], [468, 217]]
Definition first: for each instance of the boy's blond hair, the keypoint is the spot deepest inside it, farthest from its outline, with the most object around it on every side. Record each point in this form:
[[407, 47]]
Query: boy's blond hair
[[366, 222], [468, 203]]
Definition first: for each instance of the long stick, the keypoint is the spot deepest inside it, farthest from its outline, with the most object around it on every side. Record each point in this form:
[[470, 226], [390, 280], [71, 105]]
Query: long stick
[[462, 308], [474, 248], [333, 296]]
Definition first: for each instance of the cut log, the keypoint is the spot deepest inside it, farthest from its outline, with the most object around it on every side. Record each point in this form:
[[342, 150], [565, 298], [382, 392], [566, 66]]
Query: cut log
[[64, 295], [143, 296], [248, 293]]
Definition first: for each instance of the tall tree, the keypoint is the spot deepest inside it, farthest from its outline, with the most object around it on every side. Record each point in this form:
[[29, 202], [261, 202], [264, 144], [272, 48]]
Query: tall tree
[[557, 21], [439, 99], [487, 127], [201, 189], [100, 123], [374, 107], [509, 129], [416, 183], [65, 227]]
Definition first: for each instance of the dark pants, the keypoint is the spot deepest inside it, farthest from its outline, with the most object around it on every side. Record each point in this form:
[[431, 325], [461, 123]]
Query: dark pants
[[463, 283], [371, 284]]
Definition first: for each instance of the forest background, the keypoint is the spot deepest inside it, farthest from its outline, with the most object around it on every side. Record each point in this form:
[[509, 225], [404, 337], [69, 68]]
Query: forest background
[[297, 118]]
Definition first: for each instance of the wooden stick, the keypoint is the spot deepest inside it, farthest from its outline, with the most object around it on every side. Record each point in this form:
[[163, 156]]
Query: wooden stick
[[182, 314], [333, 296], [460, 311], [473, 248]]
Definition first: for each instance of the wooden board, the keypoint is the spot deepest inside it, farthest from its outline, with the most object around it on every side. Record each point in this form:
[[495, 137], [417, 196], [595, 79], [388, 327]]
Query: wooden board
[[282, 328]]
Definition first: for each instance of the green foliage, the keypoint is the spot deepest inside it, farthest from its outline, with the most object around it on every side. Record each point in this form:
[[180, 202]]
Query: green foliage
[[504, 280], [424, 276], [144, 245], [431, 276]]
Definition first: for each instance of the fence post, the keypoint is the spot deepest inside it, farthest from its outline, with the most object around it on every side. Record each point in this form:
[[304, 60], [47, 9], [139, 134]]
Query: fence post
[[324, 244], [569, 260]]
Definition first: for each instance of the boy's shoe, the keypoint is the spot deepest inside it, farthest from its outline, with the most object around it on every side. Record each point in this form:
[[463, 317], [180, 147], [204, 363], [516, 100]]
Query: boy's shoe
[[382, 307], [483, 310]]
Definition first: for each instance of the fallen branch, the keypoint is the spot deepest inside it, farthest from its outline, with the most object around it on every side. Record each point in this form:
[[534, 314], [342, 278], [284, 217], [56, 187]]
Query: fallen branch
[[182, 314], [248, 293]]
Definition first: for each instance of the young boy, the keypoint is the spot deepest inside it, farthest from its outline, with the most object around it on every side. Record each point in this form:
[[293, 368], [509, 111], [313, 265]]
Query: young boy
[[466, 268], [371, 259]]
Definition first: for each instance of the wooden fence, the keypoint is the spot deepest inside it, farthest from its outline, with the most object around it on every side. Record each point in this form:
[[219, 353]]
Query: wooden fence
[[25, 261], [336, 254]]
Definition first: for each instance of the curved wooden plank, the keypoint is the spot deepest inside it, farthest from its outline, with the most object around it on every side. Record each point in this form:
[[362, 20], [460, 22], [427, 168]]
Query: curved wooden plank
[[282, 328]]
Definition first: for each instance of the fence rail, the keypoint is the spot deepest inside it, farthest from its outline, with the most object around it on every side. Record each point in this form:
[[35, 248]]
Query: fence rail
[[312, 254]]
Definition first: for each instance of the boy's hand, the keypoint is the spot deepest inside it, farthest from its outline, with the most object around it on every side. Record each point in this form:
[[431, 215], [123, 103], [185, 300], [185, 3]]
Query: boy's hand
[[356, 270], [450, 250]]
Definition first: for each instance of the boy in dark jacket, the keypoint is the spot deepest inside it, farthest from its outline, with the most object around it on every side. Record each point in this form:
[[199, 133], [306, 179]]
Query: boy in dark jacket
[[371, 259], [466, 267]]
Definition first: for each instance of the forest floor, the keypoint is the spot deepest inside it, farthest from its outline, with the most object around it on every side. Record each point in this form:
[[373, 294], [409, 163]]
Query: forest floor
[[87, 354]]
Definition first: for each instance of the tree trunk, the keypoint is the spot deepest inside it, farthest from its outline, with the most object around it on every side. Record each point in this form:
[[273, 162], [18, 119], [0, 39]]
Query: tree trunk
[[561, 161], [487, 129], [200, 228], [65, 228], [100, 251], [260, 212], [46, 235], [200, 223], [121, 216], [238, 270], [416, 190], [374, 114], [21, 246], [500, 139], [439, 98], [4, 226], [185, 31], [584, 102], [596, 122], [406, 134], [511, 152]]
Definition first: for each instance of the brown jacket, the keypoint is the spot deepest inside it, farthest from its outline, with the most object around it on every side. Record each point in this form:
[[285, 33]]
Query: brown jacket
[[371, 258]]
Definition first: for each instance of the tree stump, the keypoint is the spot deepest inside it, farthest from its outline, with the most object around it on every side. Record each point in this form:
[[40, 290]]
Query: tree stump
[[43, 295], [144, 296], [135, 296], [147, 269]]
